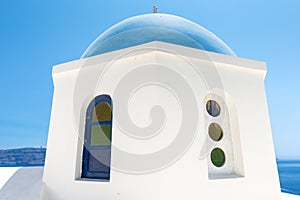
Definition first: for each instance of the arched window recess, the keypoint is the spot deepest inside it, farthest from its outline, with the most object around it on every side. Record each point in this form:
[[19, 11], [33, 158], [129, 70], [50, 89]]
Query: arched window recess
[[97, 139]]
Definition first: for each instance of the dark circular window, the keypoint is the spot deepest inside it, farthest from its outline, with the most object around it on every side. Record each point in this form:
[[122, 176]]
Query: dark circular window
[[217, 157], [215, 132], [213, 108]]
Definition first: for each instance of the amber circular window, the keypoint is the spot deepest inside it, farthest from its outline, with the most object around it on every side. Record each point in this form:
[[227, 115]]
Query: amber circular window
[[217, 157], [213, 108], [215, 132]]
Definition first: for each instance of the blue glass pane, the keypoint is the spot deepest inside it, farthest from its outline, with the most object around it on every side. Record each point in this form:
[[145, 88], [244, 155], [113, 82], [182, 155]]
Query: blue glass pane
[[99, 160]]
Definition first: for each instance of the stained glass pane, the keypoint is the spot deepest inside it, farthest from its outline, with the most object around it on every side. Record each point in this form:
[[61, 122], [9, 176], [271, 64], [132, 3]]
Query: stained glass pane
[[102, 112], [100, 135], [215, 131], [213, 108], [99, 160], [217, 157]]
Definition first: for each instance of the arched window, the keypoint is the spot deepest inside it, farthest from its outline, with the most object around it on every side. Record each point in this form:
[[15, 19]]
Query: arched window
[[97, 139]]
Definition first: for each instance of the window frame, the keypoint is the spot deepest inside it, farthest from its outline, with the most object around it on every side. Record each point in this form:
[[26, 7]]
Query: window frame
[[87, 147]]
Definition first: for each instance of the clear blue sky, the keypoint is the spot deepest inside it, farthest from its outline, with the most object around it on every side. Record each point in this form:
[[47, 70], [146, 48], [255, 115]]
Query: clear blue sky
[[35, 35]]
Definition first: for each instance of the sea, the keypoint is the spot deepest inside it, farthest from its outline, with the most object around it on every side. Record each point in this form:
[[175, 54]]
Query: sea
[[289, 175], [289, 170]]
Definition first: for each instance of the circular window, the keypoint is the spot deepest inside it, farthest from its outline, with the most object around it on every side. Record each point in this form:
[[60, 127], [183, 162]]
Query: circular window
[[215, 132], [217, 157], [213, 108]]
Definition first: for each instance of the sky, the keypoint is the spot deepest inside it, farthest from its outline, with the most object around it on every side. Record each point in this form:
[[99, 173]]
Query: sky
[[36, 35]]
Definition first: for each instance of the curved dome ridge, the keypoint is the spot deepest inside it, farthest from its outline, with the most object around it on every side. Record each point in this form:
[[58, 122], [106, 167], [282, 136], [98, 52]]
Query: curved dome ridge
[[156, 27]]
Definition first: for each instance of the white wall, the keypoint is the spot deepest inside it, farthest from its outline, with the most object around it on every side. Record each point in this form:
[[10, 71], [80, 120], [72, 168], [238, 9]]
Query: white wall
[[238, 81]]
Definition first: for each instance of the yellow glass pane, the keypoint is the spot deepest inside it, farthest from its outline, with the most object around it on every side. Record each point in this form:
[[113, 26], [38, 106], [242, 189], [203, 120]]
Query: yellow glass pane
[[100, 135], [215, 132], [102, 112]]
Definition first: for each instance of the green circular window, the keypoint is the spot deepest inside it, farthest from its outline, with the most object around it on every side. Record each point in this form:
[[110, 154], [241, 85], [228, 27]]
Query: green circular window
[[213, 108], [217, 157], [215, 132]]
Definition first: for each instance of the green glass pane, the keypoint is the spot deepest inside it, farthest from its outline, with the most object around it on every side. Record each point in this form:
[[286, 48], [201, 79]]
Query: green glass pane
[[217, 157], [100, 135], [102, 112]]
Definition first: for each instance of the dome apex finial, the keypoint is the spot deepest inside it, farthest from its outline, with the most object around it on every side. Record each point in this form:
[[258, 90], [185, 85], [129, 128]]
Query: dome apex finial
[[154, 9]]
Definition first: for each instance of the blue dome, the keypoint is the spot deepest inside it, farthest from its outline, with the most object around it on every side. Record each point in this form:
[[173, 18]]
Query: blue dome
[[156, 27]]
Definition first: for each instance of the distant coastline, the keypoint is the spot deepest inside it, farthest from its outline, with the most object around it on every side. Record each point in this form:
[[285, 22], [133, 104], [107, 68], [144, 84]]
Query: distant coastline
[[22, 157]]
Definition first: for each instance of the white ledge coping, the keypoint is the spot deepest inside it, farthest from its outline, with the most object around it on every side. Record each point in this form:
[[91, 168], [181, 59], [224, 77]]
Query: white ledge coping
[[6, 173], [285, 196], [162, 47]]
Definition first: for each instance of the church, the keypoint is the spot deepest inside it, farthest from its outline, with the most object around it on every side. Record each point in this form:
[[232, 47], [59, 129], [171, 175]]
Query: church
[[159, 108]]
